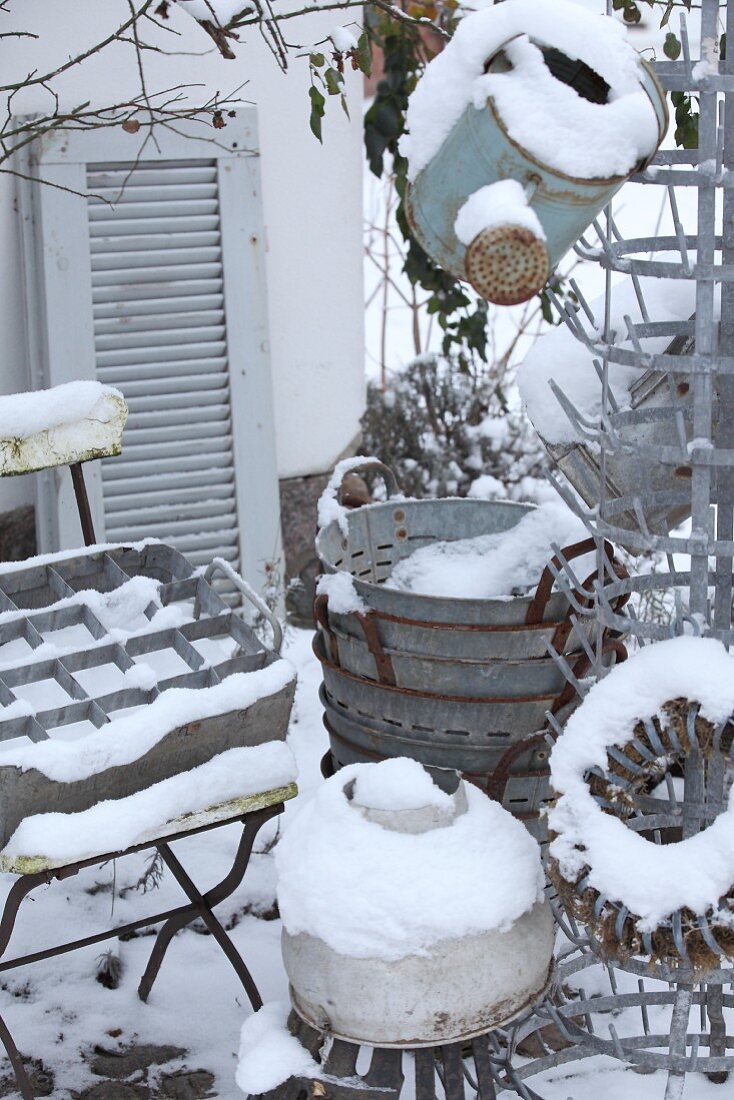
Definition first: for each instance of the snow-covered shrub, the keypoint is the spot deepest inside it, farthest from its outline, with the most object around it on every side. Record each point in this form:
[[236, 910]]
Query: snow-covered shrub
[[447, 431]]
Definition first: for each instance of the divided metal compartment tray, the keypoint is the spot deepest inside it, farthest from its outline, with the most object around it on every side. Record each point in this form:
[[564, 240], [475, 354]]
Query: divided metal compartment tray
[[33, 605]]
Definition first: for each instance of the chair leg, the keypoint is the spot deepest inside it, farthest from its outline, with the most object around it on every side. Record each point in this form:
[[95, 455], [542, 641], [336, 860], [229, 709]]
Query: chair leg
[[24, 1082], [202, 907], [18, 891]]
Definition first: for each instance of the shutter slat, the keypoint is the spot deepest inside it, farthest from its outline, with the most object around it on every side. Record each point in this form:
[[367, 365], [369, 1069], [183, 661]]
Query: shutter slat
[[120, 277], [200, 388], [153, 242], [174, 257], [179, 464], [168, 482], [177, 417], [163, 338], [190, 497], [155, 322], [144, 192], [147, 173], [159, 388], [127, 312], [165, 434], [180, 288], [153, 362], [210, 445], [160, 337], [160, 224], [162, 207], [170, 529]]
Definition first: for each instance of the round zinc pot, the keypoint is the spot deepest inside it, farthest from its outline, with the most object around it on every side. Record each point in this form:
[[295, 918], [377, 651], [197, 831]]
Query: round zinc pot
[[457, 989], [374, 538]]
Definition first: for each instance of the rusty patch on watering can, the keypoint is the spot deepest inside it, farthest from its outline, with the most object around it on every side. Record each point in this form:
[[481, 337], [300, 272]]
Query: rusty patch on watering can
[[507, 265]]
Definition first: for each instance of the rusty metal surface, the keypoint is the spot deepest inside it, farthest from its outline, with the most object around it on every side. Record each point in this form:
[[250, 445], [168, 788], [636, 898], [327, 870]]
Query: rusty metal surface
[[507, 265]]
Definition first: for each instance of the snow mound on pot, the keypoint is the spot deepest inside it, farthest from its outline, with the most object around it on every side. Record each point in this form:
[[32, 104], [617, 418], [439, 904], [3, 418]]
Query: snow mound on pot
[[371, 892]]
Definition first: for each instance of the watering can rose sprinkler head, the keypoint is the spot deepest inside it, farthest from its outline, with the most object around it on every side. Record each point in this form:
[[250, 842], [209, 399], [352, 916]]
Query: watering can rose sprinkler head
[[506, 258]]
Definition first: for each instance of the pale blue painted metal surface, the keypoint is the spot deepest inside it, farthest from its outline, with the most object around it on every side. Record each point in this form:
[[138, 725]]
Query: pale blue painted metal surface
[[478, 152]]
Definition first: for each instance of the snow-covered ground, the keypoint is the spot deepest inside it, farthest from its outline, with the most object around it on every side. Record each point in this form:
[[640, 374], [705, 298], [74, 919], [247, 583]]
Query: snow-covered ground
[[58, 1012]]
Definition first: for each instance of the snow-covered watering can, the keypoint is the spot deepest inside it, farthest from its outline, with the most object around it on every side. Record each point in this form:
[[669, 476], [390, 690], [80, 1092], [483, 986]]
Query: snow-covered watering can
[[519, 134]]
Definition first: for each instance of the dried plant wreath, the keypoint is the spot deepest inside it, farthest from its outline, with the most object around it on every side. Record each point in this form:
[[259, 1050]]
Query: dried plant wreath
[[639, 787]]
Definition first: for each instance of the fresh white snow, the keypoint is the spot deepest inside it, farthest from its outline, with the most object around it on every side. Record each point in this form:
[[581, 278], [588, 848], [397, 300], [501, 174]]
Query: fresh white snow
[[497, 204], [559, 356], [117, 824], [269, 1054], [219, 12], [398, 784], [341, 594], [548, 118], [131, 737], [372, 892], [343, 39], [652, 880], [25, 414], [505, 564]]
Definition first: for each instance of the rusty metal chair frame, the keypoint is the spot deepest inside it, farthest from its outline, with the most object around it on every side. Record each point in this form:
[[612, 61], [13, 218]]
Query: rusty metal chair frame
[[171, 920]]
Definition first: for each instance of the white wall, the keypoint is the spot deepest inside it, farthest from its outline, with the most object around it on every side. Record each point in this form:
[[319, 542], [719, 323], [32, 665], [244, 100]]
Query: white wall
[[312, 206]]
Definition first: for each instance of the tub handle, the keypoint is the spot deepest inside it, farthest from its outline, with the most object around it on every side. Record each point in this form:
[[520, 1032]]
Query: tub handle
[[321, 618], [219, 565], [582, 666], [499, 777], [543, 592], [391, 482]]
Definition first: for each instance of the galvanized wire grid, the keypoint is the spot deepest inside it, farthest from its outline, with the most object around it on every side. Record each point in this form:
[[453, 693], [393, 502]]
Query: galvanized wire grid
[[677, 443], [34, 598]]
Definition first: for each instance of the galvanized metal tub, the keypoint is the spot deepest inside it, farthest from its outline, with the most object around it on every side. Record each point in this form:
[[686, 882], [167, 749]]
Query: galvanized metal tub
[[660, 489], [498, 647], [513, 677], [467, 986], [480, 151], [426, 711]]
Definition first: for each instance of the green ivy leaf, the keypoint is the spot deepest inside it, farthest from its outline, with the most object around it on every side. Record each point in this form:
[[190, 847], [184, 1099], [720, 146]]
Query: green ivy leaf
[[316, 60], [318, 104], [364, 54], [671, 46], [334, 81]]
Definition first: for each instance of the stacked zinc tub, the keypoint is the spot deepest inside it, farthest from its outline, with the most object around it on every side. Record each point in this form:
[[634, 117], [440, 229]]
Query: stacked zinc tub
[[452, 682]]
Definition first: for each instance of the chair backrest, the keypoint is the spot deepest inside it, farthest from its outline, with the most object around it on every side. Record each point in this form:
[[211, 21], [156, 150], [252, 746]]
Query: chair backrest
[[62, 426]]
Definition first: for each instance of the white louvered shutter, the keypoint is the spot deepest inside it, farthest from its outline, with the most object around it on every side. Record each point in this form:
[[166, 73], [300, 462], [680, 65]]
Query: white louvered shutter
[[172, 265]]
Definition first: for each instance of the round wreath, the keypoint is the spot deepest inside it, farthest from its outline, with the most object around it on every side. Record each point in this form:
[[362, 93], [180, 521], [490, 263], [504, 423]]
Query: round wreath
[[646, 874]]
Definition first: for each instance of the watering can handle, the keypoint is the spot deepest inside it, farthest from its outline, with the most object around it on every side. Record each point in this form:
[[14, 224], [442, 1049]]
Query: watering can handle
[[219, 565], [544, 590], [391, 482]]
